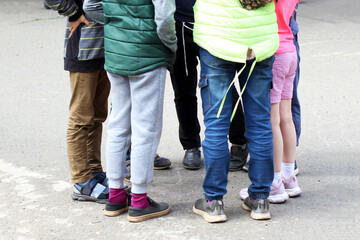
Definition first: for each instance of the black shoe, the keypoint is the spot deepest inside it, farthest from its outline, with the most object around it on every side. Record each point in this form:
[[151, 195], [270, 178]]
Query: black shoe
[[115, 209], [153, 211], [238, 156], [192, 159], [212, 212], [259, 208]]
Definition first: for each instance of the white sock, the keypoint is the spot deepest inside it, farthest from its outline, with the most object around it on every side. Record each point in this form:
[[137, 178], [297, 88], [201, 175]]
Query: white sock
[[287, 169], [277, 177]]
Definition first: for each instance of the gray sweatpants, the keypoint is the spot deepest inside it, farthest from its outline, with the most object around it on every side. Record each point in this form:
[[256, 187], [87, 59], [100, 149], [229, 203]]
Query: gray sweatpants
[[136, 119]]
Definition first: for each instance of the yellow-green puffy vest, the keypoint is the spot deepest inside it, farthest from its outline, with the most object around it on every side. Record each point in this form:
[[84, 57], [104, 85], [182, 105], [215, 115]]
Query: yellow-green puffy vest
[[226, 30]]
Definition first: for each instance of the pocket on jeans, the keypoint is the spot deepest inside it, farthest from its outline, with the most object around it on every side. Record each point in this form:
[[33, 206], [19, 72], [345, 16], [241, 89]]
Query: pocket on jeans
[[205, 93], [210, 59]]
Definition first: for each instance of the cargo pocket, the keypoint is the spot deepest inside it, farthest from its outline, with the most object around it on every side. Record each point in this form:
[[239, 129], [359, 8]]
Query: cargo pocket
[[205, 93]]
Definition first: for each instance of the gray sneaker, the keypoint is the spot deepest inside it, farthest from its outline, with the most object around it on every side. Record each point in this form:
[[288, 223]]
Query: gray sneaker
[[259, 208], [212, 212]]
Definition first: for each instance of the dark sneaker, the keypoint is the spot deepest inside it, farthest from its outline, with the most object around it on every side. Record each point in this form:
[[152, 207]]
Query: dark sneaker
[[246, 166], [192, 159], [90, 190], [161, 163], [296, 169], [127, 171], [212, 212], [259, 208], [153, 211], [238, 156], [115, 209]]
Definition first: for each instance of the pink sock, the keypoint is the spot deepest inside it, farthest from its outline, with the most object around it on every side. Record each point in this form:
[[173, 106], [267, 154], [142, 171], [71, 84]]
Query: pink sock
[[117, 195], [139, 201]]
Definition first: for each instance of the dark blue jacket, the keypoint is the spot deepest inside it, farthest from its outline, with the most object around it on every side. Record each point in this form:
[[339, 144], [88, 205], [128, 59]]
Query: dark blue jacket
[[184, 10]]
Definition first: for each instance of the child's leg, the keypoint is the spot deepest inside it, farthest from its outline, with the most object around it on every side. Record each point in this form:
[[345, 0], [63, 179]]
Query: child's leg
[[81, 120], [289, 138], [277, 137], [277, 193], [147, 96], [287, 131], [286, 123], [100, 105], [119, 130]]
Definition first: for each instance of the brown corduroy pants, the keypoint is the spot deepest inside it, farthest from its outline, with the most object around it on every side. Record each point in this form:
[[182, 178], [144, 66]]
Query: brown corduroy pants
[[88, 110]]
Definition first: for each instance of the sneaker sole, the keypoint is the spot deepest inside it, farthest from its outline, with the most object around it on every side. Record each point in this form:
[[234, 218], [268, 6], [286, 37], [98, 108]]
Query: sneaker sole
[[235, 169], [148, 216], [256, 216], [191, 168], [210, 218], [85, 198], [294, 192], [279, 198], [161, 168], [114, 213]]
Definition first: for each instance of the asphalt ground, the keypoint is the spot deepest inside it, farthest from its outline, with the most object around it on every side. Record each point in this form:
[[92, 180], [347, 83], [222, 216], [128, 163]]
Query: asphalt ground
[[35, 184]]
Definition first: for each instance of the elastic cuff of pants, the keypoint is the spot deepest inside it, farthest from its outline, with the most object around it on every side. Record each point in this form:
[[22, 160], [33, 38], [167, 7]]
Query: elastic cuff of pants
[[214, 198], [116, 183], [259, 195], [138, 188]]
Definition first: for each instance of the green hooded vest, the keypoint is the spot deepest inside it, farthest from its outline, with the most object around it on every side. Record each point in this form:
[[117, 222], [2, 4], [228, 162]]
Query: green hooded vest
[[227, 30], [132, 46]]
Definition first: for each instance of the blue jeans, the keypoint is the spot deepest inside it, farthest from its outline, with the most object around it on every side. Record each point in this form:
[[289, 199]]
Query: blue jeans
[[295, 104], [216, 76]]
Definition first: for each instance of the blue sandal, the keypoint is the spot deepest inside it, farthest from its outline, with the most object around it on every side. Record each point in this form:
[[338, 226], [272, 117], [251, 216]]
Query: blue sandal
[[101, 177], [91, 190]]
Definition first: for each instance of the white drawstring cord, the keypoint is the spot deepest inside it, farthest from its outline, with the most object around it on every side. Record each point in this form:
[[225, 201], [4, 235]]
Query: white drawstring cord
[[183, 39]]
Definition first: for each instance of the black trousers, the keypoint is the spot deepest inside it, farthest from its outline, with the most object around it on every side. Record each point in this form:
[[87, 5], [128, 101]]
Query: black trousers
[[184, 81]]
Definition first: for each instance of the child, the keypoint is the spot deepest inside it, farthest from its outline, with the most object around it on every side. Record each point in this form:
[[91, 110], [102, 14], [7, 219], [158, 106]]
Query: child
[[140, 44], [284, 138], [184, 81], [233, 40], [84, 59], [284, 69]]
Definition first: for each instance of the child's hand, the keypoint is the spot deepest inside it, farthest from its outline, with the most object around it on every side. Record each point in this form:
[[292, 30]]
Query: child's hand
[[73, 25]]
